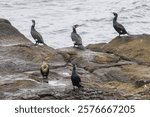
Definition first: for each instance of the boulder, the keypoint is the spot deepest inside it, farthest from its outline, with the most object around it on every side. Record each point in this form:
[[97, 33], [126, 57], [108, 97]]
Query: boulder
[[20, 62], [106, 58], [5, 21], [96, 47], [134, 48], [9, 35]]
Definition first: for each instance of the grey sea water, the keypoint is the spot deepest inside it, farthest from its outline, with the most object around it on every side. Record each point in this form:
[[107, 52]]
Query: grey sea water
[[54, 18]]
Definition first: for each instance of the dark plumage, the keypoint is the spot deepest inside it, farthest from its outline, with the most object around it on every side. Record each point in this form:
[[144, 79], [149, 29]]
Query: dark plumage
[[75, 78], [117, 26], [76, 37], [36, 35], [44, 69]]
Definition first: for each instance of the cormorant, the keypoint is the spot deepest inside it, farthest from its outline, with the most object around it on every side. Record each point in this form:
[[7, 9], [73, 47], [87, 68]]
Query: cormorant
[[76, 81], [76, 38], [36, 35], [117, 26], [44, 69]]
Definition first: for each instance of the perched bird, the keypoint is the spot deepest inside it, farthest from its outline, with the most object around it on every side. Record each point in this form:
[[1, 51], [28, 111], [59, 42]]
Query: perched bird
[[36, 35], [76, 38], [44, 69], [117, 26], [76, 81]]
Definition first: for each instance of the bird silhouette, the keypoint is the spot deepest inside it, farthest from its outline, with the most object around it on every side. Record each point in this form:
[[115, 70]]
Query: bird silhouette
[[117, 26], [76, 38], [36, 35], [44, 69], [76, 81]]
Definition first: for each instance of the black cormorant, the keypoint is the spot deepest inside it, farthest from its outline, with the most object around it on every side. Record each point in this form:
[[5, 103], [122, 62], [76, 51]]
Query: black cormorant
[[76, 81], [117, 26], [36, 35], [44, 69], [76, 37]]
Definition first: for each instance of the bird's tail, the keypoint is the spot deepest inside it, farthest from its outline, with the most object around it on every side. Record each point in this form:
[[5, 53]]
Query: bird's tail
[[44, 44], [81, 47], [128, 34]]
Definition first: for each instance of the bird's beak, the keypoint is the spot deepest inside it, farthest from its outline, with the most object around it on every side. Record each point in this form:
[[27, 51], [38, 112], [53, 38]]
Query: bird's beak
[[80, 25]]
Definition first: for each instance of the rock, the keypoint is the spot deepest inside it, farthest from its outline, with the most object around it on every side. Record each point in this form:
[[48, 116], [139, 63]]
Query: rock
[[106, 58], [140, 83], [21, 58], [18, 54], [96, 47], [20, 62], [134, 48], [137, 72], [87, 59], [107, 71], [9, 35], [111, 74], [4, 21]]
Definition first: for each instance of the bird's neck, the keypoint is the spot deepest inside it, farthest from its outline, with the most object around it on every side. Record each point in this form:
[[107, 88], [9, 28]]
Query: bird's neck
[[74, 30], [33, 25], [115, 19], [74, 71]]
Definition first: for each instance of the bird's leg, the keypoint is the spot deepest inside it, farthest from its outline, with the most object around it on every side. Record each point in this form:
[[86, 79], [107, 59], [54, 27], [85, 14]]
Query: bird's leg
[[119, 35], [73, 88], [36, 43], [74, 45]]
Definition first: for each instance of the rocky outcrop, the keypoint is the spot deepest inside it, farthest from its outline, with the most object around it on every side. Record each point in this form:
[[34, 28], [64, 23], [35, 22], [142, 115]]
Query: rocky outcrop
[[20, 61], [116, 70], [134, 48]]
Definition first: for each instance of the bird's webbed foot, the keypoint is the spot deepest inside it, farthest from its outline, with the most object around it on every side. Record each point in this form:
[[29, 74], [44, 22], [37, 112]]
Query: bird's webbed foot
[[74, 45], [74, 88]]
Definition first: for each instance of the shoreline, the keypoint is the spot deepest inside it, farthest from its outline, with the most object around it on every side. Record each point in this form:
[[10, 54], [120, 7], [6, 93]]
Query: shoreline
[[115, 70]]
